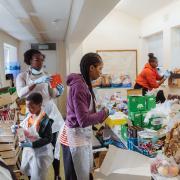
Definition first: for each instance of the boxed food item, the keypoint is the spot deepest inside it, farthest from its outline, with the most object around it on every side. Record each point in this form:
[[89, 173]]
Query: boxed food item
[[150, 102], [56, 79], [105, 80], [136, 103], [136, 118], [133, 131]]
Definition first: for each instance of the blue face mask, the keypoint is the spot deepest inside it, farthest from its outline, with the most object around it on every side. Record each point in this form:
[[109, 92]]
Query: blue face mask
[[36, 72]]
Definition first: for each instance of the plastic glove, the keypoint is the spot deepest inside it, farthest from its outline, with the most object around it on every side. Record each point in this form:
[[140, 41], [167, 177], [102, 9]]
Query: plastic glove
[[167, 74], [43, 79], [111, 111], [14, 127], [25, 144], [60, 89]]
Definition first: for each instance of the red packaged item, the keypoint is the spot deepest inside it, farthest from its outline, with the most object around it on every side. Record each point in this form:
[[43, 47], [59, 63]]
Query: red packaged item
[[55, 80]]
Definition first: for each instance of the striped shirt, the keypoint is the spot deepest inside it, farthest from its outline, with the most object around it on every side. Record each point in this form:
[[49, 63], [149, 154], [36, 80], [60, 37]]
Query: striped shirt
[[76, 137]]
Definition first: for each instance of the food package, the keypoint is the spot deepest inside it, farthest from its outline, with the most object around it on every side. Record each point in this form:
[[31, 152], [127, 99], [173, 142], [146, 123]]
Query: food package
[[55, 80], [121, 80], [149, 141], [21, 135], [105, 80], [172, 142], [164, 167]]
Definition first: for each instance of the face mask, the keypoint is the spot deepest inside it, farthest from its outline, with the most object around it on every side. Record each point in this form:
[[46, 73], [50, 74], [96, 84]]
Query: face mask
[[36, 72]]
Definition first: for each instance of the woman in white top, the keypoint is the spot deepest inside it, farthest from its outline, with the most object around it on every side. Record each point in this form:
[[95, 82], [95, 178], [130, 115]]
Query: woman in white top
[[34, 79]]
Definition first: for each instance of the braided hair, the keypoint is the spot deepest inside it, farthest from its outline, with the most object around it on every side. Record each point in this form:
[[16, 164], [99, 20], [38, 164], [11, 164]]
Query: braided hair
[[88, 60]]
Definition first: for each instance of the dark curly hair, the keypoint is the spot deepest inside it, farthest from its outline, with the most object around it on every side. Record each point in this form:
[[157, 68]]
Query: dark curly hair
[[152, 58], [36, 98], [29, 54]]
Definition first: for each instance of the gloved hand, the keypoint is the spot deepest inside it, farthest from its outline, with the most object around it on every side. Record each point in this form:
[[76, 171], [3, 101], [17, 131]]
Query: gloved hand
[[43, 79], [25, 144], [111, 111], [167, 74], [14, 127], [60, 89]]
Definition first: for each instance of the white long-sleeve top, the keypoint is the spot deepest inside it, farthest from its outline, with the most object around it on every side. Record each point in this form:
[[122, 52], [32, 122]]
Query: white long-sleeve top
[[24, 80]]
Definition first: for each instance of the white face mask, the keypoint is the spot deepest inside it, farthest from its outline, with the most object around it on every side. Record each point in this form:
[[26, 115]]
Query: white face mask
[[36, 72]]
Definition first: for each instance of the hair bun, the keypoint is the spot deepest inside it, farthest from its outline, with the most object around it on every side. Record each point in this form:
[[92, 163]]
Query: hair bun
[[151, 55]]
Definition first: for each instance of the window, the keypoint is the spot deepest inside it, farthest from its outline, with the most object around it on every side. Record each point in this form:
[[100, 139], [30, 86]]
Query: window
[[11, 62]]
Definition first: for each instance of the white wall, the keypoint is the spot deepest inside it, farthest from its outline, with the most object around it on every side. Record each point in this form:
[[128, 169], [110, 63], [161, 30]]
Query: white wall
[[116, 31], [5, 38], [163, 21]]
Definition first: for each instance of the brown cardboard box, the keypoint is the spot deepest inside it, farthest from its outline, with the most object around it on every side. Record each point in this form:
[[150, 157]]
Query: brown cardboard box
[[134, 92], [98, 158], [7, 98], [178, 82]]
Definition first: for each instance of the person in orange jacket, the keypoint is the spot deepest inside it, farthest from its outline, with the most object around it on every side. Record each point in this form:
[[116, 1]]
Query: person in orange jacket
[[149, 78]]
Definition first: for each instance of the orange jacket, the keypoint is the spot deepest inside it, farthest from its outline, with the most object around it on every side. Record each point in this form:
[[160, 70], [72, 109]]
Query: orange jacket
[[148, 77]]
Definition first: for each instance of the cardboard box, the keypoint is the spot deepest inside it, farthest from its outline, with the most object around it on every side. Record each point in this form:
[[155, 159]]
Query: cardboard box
[[99, 158], [150, 102], [8, 98], [118, 165], [136, 118], [134, 92]]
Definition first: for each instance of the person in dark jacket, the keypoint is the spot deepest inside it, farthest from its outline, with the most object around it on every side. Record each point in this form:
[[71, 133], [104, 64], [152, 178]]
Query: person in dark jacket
[[37, 148]]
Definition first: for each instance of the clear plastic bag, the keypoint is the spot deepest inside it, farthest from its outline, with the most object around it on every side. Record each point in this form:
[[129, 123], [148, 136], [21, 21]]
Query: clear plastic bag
[[164, 166]]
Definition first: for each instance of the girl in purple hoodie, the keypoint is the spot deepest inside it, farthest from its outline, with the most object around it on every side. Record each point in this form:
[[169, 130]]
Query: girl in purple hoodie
[[81, 115]]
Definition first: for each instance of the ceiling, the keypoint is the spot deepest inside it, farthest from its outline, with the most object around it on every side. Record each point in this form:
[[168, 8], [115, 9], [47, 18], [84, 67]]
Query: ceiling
[[142, 8], [35, 19], [48, 20]]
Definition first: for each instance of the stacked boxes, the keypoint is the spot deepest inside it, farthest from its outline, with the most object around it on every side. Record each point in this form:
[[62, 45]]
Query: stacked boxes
[[138, 106]]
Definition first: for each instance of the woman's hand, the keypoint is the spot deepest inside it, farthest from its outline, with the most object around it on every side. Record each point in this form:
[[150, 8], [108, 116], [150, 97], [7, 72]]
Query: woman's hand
[[60, 89], [43, 79]]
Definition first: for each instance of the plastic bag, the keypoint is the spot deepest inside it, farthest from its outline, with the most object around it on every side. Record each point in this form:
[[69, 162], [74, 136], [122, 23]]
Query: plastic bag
[[164, 166], [161, 111]]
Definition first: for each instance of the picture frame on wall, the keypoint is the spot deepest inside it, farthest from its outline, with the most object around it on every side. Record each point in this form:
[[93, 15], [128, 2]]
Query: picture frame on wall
[[119, 69]]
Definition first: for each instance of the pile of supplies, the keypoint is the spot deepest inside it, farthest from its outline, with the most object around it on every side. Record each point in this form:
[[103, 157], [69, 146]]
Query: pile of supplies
[[114, 80]]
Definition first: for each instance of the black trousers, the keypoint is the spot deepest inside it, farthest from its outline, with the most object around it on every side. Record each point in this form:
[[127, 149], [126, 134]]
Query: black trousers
[[56, 162], [160, 98]]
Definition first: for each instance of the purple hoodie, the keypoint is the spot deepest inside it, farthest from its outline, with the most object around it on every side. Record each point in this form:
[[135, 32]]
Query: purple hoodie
[[79, 98]]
